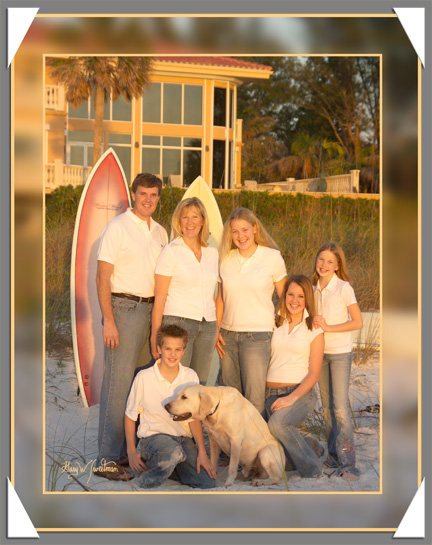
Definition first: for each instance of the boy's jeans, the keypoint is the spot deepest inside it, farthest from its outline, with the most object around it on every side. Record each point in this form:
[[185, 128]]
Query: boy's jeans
[[334, 387], [165, 454], [245, 364], [282, 424], [133, 323]]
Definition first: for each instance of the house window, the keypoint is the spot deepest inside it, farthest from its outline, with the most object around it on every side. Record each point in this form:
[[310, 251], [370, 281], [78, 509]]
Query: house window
[[168, 156], [79, 148], [224, 115], [81, 112], [192, 105], [151, 104], [219, 107], [120, 110], [232, 110], [173, 103], [121, 144], [218, 164]]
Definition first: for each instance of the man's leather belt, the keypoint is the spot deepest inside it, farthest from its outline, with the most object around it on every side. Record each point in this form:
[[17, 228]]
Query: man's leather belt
[[134, 297]]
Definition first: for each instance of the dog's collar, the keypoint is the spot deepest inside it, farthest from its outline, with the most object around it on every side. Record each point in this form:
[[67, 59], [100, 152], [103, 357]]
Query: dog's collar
[[216, 408]]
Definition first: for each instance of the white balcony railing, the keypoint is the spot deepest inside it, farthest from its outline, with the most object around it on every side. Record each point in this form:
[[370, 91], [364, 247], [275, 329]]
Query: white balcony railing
[[54, 97], [57, 174]]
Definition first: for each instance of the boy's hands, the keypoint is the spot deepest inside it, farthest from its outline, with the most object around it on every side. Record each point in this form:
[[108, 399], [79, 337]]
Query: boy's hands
[[136, 463], [203, 461]]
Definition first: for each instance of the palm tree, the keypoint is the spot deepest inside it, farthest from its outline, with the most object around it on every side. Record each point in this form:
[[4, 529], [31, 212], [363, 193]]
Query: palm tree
[[317, 154], [102, 77]]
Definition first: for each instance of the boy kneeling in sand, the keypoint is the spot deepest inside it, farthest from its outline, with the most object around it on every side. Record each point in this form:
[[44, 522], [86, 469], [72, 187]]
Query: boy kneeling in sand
[[166, 446]]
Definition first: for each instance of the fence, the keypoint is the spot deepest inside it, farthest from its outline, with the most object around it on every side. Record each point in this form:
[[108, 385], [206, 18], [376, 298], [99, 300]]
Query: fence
[[57, 174], [342, 183]]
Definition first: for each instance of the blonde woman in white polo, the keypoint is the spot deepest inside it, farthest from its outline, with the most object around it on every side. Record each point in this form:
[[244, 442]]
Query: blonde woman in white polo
[[185, 283], [251, 267]]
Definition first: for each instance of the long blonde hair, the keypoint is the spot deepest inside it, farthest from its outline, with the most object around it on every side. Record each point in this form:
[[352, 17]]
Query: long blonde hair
[[337, 251], [186, 204], [261, 236], [282, 313]]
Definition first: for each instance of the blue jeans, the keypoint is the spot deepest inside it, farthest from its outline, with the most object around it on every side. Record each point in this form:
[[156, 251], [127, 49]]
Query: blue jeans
[[334, 385], [133, 323], [245, 363], [282, 424], [200, 347], [165, 454]]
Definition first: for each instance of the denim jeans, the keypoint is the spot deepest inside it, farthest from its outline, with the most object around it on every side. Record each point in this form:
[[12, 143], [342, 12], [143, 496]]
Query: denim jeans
[[200, 347], [334, 386], [165, 454], [245, 363], [133, 323], [282, 424]]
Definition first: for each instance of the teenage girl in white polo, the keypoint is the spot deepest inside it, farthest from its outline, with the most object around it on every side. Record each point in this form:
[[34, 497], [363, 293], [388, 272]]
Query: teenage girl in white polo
[[185, 284], [338, 314], [251, 267], [295, 366]]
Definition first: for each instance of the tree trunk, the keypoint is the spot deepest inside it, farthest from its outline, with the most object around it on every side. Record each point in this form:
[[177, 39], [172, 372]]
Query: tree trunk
[[98, 126]]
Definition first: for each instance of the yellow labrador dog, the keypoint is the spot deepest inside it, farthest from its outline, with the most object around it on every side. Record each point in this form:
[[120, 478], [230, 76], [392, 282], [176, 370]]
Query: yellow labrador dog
[[235, 426]]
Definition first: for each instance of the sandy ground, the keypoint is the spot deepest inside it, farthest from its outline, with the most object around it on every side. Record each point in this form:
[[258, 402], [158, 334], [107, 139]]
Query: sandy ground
[[71, 440]]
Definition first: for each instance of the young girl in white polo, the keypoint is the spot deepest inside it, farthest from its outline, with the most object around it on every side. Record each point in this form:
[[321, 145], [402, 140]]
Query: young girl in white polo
[[251, 267], [338, 314]]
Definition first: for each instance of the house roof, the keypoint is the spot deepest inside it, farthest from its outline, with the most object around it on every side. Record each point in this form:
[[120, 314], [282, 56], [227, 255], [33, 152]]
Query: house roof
[[227, 62]]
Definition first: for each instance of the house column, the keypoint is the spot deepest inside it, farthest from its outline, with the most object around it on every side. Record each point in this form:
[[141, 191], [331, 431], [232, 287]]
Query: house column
[[207, 146], [355, 181], [136, 137]]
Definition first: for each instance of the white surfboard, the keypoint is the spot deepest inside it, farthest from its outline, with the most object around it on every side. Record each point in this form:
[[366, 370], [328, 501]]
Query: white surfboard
[[199, 188]]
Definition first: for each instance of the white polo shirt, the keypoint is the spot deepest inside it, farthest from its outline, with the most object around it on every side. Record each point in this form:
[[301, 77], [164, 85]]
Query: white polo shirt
[[247, 288], [193, 283], [133, 248], [332, 303], [149, 394], [290, 352]]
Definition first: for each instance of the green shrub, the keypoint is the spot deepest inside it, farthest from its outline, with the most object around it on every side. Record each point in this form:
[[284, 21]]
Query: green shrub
[[299, 223]]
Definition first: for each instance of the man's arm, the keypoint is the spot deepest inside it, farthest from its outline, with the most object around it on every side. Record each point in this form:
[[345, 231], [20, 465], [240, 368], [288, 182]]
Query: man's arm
[[103, 275]]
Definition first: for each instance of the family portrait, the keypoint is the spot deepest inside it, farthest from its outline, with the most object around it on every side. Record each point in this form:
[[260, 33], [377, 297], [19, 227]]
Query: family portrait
[[212, 274]]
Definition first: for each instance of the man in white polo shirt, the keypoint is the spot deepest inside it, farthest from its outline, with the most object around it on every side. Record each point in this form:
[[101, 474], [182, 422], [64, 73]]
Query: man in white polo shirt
[[129, 247]]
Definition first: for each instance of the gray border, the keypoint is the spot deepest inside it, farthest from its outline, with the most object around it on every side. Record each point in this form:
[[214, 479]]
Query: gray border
[[203, 7], [5, 275], [426, 270]]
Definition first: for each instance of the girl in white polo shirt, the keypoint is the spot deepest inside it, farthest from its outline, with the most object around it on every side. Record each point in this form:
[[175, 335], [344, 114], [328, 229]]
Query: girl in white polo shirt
[[297, 352], [251, 267], [338, 314], [185, 283]]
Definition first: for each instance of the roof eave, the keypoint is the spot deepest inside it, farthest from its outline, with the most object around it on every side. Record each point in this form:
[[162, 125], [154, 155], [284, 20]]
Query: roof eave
[[169, 67]]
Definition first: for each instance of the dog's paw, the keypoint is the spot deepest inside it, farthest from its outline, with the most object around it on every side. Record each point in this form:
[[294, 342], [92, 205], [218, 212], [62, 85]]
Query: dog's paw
[[258, 482], [229, 482]]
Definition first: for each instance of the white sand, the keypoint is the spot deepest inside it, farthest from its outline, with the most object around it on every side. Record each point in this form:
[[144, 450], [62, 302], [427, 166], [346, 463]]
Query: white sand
[[71, 439]]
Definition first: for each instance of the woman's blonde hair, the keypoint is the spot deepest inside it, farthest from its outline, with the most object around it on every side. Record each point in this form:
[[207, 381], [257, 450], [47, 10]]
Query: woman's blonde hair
[[184, 205], [282, 313], [337, 251], [261, 236]]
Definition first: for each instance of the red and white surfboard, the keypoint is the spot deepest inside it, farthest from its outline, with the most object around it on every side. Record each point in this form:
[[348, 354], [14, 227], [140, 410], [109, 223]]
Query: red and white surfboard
[[105, 196]]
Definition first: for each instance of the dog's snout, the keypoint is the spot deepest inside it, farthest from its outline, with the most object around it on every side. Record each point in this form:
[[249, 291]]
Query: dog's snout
[[168, 406]]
